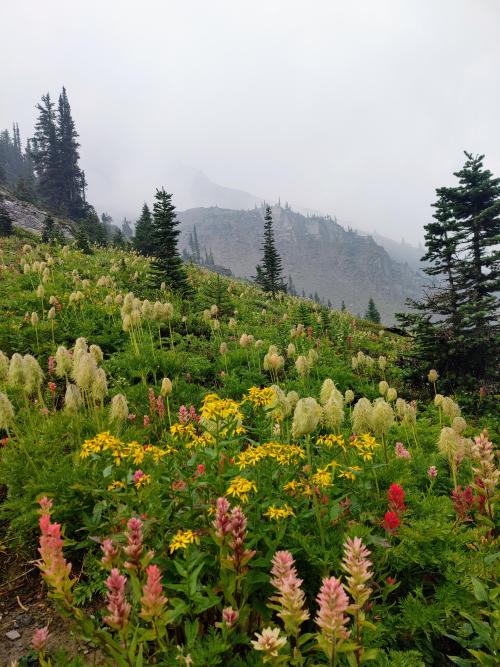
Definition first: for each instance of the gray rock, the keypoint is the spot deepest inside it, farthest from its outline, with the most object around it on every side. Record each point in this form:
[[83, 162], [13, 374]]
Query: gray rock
[[12, 635]]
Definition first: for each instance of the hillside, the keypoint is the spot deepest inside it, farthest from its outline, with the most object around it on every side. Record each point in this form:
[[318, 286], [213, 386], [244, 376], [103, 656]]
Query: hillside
[[319, 254]]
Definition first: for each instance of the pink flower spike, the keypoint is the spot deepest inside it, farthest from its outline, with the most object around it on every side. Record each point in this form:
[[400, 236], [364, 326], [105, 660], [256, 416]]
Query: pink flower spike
[[332, 602], [134, 547], [222, 522], [40, 638], [145, 421], [432, 472], [152, 601], [230, 616], [117, 606]]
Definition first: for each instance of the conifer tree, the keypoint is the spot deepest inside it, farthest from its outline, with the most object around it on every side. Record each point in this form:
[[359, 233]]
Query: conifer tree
[[372, 313], [215, 292], [455, 325], [70, 174], [48, 229], [167, 265], [143, 238], [45, 154], [269, 271]]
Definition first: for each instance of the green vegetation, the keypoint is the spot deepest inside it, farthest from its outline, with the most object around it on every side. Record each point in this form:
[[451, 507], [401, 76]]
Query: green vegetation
[[237, 479]]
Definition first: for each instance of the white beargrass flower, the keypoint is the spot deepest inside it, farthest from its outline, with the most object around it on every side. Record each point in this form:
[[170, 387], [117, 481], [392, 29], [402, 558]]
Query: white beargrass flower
[[348, 396], [333, 412], [119, 408], [433, 375], [64, 361], [302, 365], [4, 367], [383, 386], [96, 352], [84, 371], [306, 417], [166, 387], [290, 350], [382, 417], [361, 416], [16, 376], [72, 398], [450, 408], [6, 412], [382, 362], [391, 394], [100, 385], [292, 398], [280, 407], [34, 319], [459, 425]]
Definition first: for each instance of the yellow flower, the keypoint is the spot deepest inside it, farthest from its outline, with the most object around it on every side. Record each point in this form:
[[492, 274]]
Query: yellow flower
[[322, 478], [349, 473], [259, 397], [241, 487], [277, 513], [182, 539], [330, 440], [116, 484], [143, 481]]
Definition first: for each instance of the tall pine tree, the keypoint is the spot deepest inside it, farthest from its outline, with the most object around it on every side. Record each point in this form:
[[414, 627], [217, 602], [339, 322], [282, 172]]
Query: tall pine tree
[[45, 154], [372, 314], [70, 177], [167, 265], [143, 238], [269, 271], [455, 325]]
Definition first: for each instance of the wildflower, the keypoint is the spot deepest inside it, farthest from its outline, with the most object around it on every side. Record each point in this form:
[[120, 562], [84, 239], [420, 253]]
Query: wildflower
[[6, 412], [160, 407], [383, 386], [278, 513], [152, 601], [331, 619], [84, 370], [459, 425], [100, 385], [110, 553], [119, 408], [348, 396], [4, 367], [72, 398], [117, 605], [134, 547], [463, 502], [238, 530], [438, 400], [433, 376], [395, 497], [401, 451], [291, 350], [391, 522], [241, 487], [152, 402], [357, 565], [382, 417], [182, 539], [332, 414], [293, 398], [200, 469], [391, 394], [260, 397], [52, 564], [63, 361], [361, 416], [483, 458], [40, 638], [382, 363], [230, 616], [269, 642], [306, 417], [432, 472], [222, 522], [302, 365], [450, 408], [166, 387], [34, 319], [290, 598]]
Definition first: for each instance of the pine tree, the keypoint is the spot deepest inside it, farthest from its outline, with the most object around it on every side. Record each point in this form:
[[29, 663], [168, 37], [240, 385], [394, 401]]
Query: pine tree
[[45, 154], [48, 229], [82, 241], [127, 229], [215, 293], [5, 223], [455, 325], [269, 271], [143, 238], [167, 265], [372, 314], [70, 175]]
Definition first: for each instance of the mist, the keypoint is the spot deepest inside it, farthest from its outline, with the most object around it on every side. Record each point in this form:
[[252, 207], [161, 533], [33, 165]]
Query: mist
[[358, 109]]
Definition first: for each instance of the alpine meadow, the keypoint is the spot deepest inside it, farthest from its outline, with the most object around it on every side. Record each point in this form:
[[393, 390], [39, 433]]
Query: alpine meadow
[[232, 431]]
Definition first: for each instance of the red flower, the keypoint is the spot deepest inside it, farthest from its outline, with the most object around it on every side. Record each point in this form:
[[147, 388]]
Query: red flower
[[396, 498], [200, 469], [391, 522], [390, 581]]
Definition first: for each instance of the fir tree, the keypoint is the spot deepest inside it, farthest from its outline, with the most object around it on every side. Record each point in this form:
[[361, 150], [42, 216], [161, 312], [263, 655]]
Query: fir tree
[[127, 229], [372, 314], [45, 154], [82, 240], [70, 177], [455, 325], [167, 265], [269, 271], [143, 238], [48, 229], [215, 293]]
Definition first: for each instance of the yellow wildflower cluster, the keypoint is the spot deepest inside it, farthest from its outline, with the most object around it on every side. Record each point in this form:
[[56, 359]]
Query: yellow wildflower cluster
[[331, 440], [188, 434], [115, 485], [365, 446], [278, 513], [298, 488], [143, 480], [259, 397], [182, 539], [241, 487], [322, 478], [283, 454], [349, 472], [221, 416], [120, 451]]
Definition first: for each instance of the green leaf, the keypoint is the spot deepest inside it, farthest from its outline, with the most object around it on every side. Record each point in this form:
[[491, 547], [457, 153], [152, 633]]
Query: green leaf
[[480, 592]]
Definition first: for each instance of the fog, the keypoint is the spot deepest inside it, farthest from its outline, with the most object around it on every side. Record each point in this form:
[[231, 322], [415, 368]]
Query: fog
[[357, 109]]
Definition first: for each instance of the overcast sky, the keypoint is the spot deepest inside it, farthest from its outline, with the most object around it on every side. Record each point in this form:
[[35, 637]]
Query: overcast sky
[[354, 108]]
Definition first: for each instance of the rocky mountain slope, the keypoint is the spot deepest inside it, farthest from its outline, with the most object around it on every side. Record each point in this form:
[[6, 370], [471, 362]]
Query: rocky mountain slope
[[319, 254]]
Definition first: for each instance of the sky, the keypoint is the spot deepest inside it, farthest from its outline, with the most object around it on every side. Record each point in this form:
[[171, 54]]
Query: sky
[[358, 108]]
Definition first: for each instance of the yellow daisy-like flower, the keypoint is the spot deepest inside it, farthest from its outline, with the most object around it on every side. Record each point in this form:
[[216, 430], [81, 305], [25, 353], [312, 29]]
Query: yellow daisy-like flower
[[116, 484], [349, 473], [331, 440], [182, 539], [143, 481], [241, 487], [322, 478], [278, 513], [259, 398]]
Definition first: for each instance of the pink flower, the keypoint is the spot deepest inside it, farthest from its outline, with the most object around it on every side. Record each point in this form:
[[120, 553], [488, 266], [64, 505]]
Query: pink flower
[[401, 451], [152, 601], [110, 553], [230, 616], [333, 603], [238, 532], [200, 469], [160, 405], [52, 564], [52, 387], [40, 638], [134, 546], [222, 521], [131, 417], [138, 474], [183, 415], [52, 365], [193, 417], [146, 421], [357, 565], [432, 472], [117, 606], [290, 597], [152, 402], [396, 497]]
